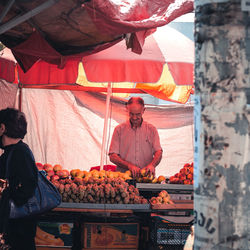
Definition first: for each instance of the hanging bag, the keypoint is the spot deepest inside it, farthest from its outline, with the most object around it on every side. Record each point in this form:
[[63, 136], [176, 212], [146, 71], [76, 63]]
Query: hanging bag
[[45, 198]]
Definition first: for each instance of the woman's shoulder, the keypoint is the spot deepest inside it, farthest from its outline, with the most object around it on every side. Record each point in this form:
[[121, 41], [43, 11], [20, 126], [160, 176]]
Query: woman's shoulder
[[21, 148]]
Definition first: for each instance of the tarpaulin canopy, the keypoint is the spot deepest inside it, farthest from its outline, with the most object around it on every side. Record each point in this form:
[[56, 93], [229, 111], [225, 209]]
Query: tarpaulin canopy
[[167, 61], [68, 127], [57, 30]]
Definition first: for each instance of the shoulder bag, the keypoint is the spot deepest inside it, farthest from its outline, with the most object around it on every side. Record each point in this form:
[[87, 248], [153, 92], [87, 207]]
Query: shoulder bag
[[45, 198]]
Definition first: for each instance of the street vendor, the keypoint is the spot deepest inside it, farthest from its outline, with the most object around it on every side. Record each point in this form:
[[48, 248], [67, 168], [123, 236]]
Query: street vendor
[[135, 144]]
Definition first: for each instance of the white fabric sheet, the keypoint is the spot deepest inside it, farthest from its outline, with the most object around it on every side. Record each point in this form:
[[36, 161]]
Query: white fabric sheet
[[66, 128]]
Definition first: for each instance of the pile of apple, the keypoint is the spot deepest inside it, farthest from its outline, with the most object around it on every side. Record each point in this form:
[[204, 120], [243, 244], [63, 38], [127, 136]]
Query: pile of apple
[[57, 172], [162, 198], [54, 173], [185, 175]]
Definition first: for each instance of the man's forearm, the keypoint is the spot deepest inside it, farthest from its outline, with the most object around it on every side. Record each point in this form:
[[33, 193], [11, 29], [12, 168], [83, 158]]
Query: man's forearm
[[157, 158], [116, 159]]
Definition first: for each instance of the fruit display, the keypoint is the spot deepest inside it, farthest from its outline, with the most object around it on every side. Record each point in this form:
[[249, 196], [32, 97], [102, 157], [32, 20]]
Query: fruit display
[[101, 186], [108, 190], [56, 172], [98, 175], [185, 175], [149, 178], [94, 186], [162, 198]]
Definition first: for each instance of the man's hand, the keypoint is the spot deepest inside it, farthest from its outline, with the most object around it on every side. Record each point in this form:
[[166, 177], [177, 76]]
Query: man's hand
[[150, 170], [134, 170]]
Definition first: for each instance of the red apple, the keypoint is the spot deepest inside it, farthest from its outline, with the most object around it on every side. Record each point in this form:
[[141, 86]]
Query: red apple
[[171, 179], [187, 182], [54, 177], [39, 166], [57, 167], [178, 175], [183, 176], [182, 171], [186, 165], [153, 201], [187, 171], [50, 172], [47, 167], [60, 173], [66, 173], [176, 180], [63, 173]]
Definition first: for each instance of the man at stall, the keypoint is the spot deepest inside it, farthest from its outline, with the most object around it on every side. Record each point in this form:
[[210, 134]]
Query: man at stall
[[135, 144]]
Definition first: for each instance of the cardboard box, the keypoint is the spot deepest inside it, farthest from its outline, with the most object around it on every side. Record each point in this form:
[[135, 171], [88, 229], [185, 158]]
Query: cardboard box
[[104, 248], [52, 248], [54, 234], [111, 235], [181, 196]]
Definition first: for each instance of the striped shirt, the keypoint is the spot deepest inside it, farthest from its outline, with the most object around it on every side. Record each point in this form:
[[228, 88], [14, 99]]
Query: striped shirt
[[136, 146]]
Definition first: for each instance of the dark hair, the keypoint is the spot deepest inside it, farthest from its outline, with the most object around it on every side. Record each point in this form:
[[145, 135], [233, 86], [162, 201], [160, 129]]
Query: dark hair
[[14, 121], [137, 100]]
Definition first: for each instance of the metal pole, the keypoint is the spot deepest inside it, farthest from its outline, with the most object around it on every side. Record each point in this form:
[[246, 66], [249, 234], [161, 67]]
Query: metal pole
[[20, 97], [104, 136]]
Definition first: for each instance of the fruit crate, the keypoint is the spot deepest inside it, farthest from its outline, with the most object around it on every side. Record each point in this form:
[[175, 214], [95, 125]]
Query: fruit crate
[[176, 191], [169, 235]]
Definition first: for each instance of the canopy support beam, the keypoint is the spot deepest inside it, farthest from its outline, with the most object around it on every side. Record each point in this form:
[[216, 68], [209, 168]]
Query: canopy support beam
[[6, 9], [74, 87], [20, 19]]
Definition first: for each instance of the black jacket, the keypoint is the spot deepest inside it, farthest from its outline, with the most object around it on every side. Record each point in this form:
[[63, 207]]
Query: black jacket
[[23, 178]]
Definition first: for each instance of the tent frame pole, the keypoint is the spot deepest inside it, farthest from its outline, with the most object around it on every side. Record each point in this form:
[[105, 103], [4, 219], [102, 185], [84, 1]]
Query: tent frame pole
[[104, 136], [20, 97]]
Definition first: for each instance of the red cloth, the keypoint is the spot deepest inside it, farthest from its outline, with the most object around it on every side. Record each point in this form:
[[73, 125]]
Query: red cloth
[[137, 17], [105, 167], [8, 69], [36, 47]]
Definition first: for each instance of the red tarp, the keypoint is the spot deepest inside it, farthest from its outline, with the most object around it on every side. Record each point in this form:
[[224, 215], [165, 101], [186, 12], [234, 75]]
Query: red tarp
[[115, 18]]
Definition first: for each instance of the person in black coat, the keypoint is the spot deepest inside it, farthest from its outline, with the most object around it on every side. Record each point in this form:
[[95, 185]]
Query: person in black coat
[[23, 178]]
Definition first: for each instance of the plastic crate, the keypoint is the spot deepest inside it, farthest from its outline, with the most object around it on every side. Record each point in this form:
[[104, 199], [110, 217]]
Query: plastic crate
[[169, 235]]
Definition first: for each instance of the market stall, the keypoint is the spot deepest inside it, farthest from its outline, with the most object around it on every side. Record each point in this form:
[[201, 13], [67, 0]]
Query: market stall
[[60, 120], [141, 215]]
